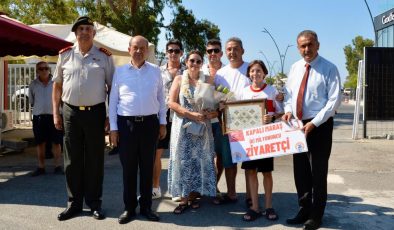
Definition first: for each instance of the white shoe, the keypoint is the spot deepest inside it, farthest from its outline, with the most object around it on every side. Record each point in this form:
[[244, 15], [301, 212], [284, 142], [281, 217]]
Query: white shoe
[[176, 199], [156, 193]]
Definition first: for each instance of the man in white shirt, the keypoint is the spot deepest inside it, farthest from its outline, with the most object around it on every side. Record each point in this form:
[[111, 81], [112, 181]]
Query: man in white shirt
[[232, 76], [137, 113], [312, 95]]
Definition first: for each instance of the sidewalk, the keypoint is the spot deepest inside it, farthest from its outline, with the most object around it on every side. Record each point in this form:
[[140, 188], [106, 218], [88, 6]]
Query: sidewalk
[[360, 192]]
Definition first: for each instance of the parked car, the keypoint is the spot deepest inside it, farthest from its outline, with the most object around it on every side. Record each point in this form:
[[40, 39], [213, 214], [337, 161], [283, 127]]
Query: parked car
[[347, 91], [21, 98]]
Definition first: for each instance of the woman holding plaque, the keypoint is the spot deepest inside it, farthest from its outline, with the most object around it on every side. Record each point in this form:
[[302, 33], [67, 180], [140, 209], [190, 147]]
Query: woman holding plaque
[[260, 90], [191, 165]]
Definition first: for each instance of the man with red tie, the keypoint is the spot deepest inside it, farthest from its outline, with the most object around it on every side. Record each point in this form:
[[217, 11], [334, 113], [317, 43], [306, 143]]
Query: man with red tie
[[313, 93]]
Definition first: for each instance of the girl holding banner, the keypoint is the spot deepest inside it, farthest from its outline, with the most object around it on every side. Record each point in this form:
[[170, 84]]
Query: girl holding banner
[[260, 90]]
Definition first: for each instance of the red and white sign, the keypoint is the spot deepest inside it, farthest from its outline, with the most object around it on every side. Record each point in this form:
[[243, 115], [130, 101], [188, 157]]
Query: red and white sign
[[272, 140]]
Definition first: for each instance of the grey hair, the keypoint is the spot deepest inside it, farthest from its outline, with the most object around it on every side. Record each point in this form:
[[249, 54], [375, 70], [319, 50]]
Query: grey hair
[[306, 33], [235, 39]]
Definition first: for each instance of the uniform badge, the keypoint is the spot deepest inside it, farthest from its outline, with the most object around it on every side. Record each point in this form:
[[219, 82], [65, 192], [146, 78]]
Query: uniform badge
[[105, 51]]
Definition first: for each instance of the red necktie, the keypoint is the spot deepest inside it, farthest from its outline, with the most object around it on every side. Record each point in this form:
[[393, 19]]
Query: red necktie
[[301, 91]]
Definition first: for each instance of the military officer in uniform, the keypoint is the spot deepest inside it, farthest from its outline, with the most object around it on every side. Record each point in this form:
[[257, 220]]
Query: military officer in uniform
[[82, 80]]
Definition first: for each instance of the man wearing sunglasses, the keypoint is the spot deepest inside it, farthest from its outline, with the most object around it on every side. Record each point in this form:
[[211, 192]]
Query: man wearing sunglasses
[[233, 76], [40, 92], [173, 67], [214, 54]]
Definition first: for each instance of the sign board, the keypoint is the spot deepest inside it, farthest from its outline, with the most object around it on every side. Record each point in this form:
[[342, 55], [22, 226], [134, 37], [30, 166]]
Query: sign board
[[271, 140]]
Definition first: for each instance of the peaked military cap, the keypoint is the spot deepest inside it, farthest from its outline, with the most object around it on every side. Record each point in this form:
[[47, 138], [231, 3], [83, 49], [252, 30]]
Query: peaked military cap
[[84, 20]]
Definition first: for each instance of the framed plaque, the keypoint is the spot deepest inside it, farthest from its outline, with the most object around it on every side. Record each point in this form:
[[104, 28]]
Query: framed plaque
[[238, 115]]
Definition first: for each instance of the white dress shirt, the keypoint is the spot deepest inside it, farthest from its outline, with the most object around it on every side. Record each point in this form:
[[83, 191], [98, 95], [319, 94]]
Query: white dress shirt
[[322, 93], [137, 92]]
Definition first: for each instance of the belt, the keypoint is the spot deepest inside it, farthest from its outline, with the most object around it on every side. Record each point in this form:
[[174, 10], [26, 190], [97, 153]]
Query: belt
[[139, 118], [85, 108]]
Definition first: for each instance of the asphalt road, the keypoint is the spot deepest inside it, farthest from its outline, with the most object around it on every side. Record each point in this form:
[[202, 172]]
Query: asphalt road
[[361, 192]]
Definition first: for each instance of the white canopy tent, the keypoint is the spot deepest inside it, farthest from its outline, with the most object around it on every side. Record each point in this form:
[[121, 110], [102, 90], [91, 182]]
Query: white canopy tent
[[108, 38]]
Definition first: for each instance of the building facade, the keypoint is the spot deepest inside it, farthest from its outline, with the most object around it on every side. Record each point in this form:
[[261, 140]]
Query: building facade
[[384, 25]]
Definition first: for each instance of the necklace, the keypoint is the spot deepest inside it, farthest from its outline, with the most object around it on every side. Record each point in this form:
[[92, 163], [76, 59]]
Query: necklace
[[193, 79], [185, 85]]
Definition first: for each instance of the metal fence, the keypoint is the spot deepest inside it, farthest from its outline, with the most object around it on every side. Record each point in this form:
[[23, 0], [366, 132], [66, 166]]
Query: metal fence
[[17, 98], [375, 94]]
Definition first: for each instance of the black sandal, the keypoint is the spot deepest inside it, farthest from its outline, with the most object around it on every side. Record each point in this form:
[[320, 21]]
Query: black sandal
[[181, 208], [225, 199], [251, 215], [195, 204], [270, 214]]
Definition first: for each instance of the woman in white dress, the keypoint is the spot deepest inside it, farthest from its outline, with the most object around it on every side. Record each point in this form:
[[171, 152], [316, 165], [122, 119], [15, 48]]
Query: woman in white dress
[[191, 166]]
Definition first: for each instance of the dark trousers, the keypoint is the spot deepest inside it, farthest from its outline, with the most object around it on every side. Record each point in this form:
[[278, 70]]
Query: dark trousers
[[84, 154], [137, 147], [311, 169]]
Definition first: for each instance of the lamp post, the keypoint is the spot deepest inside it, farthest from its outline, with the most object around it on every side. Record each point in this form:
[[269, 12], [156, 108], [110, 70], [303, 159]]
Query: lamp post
[[282, 57], [270, 65], [373, 24]]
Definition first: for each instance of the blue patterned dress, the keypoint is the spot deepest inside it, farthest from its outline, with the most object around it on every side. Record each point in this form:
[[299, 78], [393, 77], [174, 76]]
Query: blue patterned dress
[[191, 167]]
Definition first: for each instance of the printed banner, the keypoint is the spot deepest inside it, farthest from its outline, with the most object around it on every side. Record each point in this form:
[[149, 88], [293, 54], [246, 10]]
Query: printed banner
[[271, 140]]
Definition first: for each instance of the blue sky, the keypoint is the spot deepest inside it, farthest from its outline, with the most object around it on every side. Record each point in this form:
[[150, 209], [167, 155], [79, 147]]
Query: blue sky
[[336, 22]]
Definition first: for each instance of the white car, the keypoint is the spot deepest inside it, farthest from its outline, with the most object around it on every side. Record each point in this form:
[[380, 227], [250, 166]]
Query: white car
[[21, 98], [347, 91]]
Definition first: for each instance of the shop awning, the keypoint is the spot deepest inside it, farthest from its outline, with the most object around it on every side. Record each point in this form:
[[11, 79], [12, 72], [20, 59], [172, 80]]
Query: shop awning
[[19, 39]]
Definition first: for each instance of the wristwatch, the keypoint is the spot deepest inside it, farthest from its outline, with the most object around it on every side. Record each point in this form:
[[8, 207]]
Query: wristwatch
[[273, 119]]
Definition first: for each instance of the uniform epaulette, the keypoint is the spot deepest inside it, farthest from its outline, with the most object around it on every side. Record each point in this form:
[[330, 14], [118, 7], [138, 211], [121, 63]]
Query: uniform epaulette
[[105, 51], [65, 49]]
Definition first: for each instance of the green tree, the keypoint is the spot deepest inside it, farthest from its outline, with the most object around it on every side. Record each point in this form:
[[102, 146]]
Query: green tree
[[136, 17], [40, 11], [354, 53], [144, 17], [133, 17], [196, 35]]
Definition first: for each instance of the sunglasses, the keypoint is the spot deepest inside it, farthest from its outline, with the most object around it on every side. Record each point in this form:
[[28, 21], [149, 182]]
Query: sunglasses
[[176, 51], [198, 62], [43, 68], [216, 50]]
